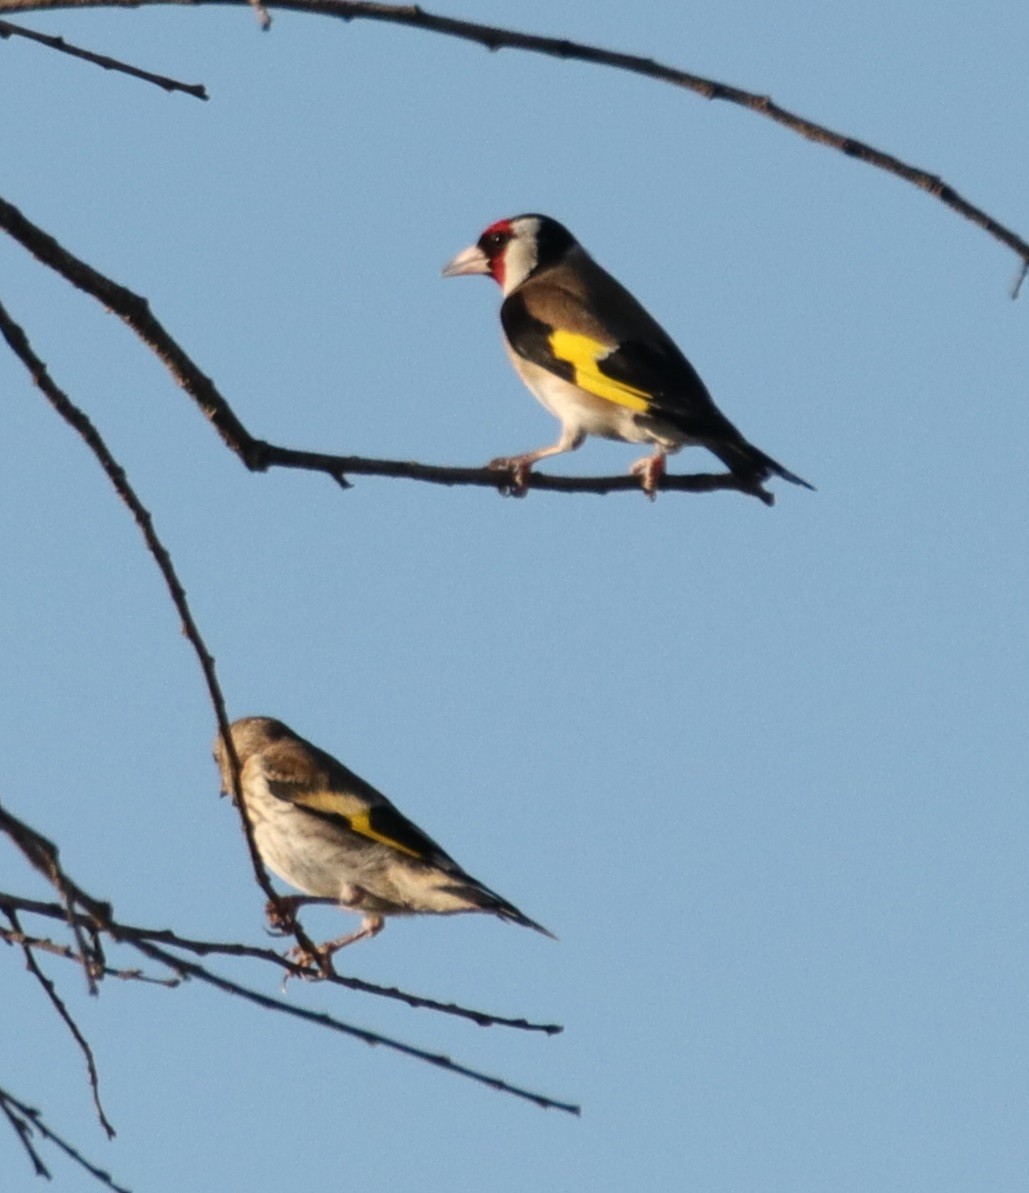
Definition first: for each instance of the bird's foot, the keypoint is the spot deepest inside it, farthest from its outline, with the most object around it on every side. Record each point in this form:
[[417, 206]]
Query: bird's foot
[[518, 467], [310, 966], [281, 913], [650, 470]]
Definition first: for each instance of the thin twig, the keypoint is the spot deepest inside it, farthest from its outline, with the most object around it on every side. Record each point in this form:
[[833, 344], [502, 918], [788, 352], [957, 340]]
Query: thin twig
[[77, 419], [43, 855], [147, 944], [59, 1006], [495, 38], [44, 944], [25, 1119], [125, 68], [437, 1059], [130, 934], [135, 311], [1016, 288], [24, 1132]]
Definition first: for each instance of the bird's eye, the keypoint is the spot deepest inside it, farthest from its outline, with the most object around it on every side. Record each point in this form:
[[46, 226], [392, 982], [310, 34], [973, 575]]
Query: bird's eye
[[497, 240]]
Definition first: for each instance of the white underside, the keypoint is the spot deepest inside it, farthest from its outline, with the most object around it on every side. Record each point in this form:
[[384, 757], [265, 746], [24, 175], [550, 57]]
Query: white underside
[[582, 413], [319, 859]]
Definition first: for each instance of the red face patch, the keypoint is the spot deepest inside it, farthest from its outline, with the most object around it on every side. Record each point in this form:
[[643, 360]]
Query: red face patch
[[494, 242]]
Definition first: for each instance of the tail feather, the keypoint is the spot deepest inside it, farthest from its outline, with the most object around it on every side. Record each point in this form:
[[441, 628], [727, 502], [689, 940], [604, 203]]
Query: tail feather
[[514, 916], [481, 898], [745, 460]]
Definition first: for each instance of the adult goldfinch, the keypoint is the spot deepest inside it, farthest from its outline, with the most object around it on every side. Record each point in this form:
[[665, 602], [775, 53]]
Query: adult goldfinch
[[334, 837], [596, 359]]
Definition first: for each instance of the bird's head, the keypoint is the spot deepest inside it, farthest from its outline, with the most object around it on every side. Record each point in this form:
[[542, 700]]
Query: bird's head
[[511, 250], [249, 735]]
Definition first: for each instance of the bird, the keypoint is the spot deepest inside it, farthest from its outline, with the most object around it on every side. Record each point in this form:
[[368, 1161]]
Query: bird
[[597, 360], [333, 836]]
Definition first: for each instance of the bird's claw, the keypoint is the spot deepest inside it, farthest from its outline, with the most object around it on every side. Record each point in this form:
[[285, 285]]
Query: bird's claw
[[318, 963], [518, 469], [650, 470], [281, 915]]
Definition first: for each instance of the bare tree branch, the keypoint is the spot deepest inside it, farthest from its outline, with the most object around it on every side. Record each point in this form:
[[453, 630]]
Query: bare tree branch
[[135, 311], [495, 38], [437, 1059], [339, 467], [59, 1006], [258, 455], [18, 342], [150, 945], [129, 934], [43, 856], [44, 944], [64, 47], [37, 847], [26, 1120], [24, 1132], [42, 852]]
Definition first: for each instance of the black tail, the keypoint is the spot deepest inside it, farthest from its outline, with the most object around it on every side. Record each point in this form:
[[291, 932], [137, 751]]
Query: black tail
[[751, 464], [514, 916], [488, 900]]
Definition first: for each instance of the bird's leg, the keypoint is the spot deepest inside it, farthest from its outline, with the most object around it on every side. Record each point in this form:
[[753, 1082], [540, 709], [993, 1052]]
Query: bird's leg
[[351, 897], [650, 470], [371, 926], [520, 466], [321, 958]]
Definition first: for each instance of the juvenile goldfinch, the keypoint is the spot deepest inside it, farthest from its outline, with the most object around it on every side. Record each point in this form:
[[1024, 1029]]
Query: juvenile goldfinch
[[337, 839], [596, 359]]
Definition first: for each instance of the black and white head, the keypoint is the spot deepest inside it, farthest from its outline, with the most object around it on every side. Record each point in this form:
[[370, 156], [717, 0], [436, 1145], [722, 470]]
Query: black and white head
[[512, 250]]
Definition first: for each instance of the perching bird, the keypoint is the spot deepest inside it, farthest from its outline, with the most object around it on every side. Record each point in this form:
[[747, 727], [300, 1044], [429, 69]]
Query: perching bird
[[596, 359], [337, 839]]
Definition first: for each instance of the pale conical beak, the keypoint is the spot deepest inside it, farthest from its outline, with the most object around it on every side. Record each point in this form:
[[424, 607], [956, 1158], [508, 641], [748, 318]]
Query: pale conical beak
[[469, 260]]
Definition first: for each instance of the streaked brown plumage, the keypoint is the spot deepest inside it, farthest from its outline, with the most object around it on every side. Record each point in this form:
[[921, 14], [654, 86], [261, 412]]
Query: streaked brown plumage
[[336, 838]]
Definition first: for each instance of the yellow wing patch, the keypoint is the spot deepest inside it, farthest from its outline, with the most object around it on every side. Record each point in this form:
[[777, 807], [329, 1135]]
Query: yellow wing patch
[[584, 355], [355, 812], [362, 824]]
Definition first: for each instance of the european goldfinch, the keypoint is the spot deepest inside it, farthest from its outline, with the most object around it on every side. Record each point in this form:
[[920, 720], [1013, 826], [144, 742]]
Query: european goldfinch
[[596, 359], [337, 839]]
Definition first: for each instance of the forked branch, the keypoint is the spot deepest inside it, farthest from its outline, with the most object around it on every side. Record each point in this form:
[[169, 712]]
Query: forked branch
[[27, 1122]]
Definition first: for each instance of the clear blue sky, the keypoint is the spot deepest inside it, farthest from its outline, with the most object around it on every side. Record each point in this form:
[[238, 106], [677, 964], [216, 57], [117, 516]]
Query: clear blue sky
[[762, 771]]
